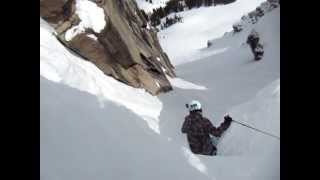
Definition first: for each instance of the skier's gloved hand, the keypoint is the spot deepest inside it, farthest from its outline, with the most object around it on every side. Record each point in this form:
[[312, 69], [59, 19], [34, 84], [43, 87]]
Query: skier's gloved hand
[[227, 118]]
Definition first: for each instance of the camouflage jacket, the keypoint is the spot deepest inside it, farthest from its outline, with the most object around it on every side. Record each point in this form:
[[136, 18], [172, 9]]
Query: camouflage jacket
[[198, 130], [253, 40]]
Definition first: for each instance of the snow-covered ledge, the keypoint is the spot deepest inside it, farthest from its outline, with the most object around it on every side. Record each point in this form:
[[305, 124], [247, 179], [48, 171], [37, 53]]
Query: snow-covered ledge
[[91, 17]]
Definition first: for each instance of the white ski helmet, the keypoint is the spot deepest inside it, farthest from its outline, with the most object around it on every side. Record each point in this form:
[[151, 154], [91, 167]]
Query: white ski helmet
[[194, 105]]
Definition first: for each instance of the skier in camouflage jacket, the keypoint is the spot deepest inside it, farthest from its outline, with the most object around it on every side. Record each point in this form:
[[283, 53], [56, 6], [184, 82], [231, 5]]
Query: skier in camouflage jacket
[[198, 130], [256, 47]]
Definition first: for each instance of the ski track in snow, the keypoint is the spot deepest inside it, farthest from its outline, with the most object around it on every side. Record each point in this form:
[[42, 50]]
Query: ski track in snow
[[183, 84], [194, 160]]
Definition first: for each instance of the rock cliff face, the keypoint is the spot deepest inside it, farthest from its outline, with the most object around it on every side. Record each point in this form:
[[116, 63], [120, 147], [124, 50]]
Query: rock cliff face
[[115, 36]]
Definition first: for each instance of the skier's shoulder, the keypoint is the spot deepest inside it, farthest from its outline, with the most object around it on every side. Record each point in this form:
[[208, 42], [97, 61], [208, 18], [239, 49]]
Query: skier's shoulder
[[187, 117], [191, 117], [206, 120]]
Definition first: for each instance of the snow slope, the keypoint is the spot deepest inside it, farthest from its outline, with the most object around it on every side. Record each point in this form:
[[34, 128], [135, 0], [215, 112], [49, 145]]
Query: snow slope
[[93, 127], [79, 140], [231, 77], [236, 84], [244, 152], [59, 65], [262, 112], [182, 84], [182, 40]]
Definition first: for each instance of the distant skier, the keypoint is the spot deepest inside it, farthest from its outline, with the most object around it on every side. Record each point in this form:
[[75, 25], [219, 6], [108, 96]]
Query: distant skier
[[199, 128], [256, 46]]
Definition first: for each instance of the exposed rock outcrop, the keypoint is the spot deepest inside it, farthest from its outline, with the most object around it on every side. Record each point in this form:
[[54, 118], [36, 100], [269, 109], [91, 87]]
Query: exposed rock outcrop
[[121, 43]]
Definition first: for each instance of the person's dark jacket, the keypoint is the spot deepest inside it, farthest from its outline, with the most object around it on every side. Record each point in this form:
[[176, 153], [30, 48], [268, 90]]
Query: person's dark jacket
[[198, 129], [255, 45], [253, 40]]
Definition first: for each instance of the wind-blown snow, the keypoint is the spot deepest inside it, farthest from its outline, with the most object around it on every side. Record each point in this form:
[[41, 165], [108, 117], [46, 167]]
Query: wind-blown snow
[[91, 16], [59, 65], [199, 25]]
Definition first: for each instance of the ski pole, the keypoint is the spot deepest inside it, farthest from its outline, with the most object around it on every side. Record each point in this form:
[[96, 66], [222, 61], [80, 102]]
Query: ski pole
[[258, 130]]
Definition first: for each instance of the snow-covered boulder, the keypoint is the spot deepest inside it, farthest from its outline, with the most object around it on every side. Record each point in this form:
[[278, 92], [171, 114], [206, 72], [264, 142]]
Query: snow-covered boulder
[[237, 27]]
